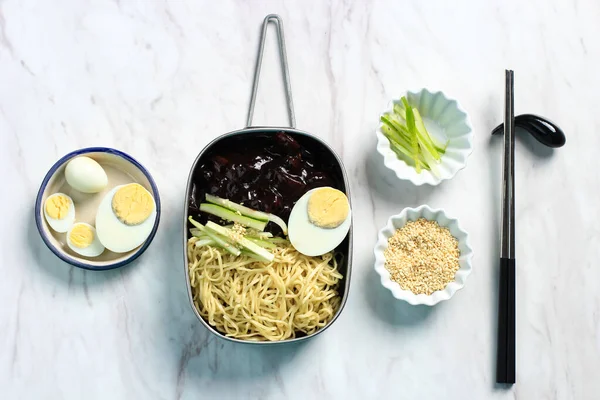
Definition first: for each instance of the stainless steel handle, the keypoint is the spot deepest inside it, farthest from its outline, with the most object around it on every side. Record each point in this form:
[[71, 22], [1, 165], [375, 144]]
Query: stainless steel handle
[[276, 19]]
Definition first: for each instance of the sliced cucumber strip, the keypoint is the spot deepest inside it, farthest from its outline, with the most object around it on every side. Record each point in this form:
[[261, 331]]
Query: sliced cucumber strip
[[230, 215], [221, 240], [262, 243], [264, 254], [248, 212]]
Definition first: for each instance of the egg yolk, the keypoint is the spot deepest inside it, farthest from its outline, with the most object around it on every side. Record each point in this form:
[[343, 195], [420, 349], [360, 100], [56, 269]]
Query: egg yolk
[[328, 208], [132, 204], [57, 207], [81, 236]]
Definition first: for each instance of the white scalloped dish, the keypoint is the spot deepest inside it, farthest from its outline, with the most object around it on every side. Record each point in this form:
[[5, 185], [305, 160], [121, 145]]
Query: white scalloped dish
[[445, 119], [397, 222]]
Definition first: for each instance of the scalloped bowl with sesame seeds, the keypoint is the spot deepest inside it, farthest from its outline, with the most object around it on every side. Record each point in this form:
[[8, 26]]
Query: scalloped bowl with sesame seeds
[[463, 256]]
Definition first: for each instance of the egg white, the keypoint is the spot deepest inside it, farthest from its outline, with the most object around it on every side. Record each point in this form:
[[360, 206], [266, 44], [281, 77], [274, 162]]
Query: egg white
[[115, 235], [93, 250], [309, 239], [61, 225]]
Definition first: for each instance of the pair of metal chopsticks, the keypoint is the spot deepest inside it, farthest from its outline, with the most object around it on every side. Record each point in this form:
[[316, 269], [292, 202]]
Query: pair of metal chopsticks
[[506, 358]]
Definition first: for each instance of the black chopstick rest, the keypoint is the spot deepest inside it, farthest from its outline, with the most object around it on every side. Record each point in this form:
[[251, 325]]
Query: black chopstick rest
[[506, 360]]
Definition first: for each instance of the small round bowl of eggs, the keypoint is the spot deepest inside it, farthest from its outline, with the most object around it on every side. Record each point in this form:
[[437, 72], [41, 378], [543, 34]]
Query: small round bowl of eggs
[[97, 208]]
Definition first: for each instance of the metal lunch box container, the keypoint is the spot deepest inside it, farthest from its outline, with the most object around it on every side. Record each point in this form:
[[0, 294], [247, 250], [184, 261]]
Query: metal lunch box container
[[345, 248]]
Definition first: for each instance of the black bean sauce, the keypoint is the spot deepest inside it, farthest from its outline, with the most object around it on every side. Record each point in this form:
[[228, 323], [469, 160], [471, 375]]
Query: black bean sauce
[[266, 172]]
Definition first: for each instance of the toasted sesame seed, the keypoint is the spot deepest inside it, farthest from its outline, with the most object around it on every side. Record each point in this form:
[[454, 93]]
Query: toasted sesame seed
[[422, 256], [237, 232]]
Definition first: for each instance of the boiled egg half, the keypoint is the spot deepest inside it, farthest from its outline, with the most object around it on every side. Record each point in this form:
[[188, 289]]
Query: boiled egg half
[[125, 217], [59, 211], [83, 240], [319, 221]]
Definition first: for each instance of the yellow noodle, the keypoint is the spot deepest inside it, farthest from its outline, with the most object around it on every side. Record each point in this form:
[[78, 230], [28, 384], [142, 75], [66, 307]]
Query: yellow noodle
[[252, 300]]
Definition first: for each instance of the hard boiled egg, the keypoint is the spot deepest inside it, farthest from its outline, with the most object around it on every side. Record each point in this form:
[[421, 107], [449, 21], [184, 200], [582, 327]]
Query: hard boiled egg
[[86, 175], [319, 221], [82, 239], [59, 211], [125, 217]]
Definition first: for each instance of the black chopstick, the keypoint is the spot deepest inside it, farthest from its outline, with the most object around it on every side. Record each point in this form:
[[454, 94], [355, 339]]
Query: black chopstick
[[506, 359]]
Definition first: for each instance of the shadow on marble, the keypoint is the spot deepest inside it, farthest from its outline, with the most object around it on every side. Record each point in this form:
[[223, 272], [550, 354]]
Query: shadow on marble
[[389, 309], [386, 184], [502, 387], [59, 270], [227, 361]]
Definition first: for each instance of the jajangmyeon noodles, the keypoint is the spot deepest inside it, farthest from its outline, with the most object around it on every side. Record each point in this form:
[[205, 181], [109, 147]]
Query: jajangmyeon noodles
[[255, 300]]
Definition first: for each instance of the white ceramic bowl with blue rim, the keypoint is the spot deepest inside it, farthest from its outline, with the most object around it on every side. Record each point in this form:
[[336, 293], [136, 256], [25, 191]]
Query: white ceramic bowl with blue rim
[[445, 119], [120, 169], [398, 221]]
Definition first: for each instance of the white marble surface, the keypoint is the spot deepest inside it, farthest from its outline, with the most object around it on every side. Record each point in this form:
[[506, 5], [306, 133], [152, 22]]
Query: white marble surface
[[159, 80]]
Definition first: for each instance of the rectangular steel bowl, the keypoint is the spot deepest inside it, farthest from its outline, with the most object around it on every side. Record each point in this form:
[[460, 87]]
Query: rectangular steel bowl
[[345, 248]]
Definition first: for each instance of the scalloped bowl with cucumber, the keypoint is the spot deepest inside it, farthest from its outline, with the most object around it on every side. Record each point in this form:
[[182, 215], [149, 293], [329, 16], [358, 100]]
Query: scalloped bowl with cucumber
[[425, 137]]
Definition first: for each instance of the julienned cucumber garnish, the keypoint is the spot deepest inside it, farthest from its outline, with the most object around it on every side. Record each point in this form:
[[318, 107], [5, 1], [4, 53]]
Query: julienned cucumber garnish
[[409, 139], [240, 240], [229, 215], [217, 239], [243, 211], [244, 236]]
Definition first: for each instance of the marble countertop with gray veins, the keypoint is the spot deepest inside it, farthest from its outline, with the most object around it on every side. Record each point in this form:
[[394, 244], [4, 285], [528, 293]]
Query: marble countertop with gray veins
[[159, 80]]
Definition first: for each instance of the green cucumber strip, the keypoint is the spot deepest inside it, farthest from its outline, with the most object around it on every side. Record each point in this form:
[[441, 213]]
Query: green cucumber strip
[[409, 139], [409, 160], [432, 163], [245, 243], [196, 232], [400, 111], [439, 147], [258, 235], [218, 239], [278, 240], [394, 137], [428, 149], [397, 147], [396, 129], [262, 243], [205, 242], [246, 211], [229, 215], [425, 136], [403, 150], [410, 123]]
